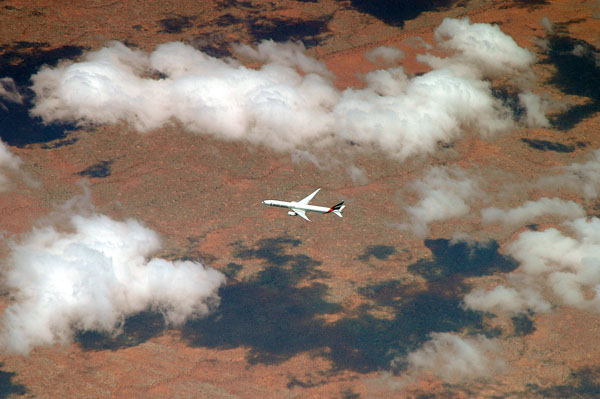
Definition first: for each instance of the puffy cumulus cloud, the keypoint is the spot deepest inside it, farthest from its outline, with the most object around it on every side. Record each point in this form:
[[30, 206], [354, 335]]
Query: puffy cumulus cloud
[[556, 268], [582, 178], [435, 107], [455, 359], [478, 50], [92, 276], [387, 82], [531, 210], [508, 299], [444, 194], [8, 161], [275, 105], [289, 101]]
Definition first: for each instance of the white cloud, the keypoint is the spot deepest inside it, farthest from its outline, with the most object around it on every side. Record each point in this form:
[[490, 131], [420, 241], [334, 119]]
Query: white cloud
[[444, 194], [390, 55], [535, 110], [531, 210], [455, 359], [275, 105], [289, 102], [581, 178], [359, 176], [547, 25], [93, 275], [508, 299], [556, 268], [478, 50], [8, 161]]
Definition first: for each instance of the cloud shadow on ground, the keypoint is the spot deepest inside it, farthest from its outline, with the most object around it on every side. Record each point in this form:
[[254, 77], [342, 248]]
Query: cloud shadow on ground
[[523, 325], [583, 383], [309, 32], [176, 24], [381, 252], [7, 387], [545, 145], [396, 12], [136, 330], [281, 311], [19, 61], [462, 259], [577, 73], [98, 170]]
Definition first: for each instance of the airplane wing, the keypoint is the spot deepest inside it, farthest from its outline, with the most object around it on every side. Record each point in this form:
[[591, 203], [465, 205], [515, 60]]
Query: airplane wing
[[305, 201], [301, 213]]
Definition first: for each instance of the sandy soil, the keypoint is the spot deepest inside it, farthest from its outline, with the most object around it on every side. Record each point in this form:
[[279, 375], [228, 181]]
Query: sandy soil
[[203, 196]]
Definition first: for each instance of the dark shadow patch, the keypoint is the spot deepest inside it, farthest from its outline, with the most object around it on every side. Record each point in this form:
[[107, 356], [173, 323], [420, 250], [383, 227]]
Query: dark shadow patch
[[381, 252], [274, 319], [523, 325], [510, 100], [137, 329], [581, 384], [577, 113], [19, 61], [272, 250], [22, 59], [366, 343], [227, 20], [214, 44], [99, 170], [268, 313], [350, 394], [59, 143], [225, 4], [395, 12], [530, 4], [577, 73], [462, 259], [7, 387], [283, 30], [545, 145], [279, 312], [390, 292], [232, 270], [18, 128], [176, 24], [310, 382]]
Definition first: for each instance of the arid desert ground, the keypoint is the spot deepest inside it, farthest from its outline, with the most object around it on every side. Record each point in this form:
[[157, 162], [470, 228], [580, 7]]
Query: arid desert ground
[[139, 139]]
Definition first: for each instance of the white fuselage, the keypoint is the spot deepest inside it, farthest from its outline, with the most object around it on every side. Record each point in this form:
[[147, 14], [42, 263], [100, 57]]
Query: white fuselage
[[299, 208], [296, 205]]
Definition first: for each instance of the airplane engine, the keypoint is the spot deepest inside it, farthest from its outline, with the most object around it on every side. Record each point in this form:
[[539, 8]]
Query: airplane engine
[[292, 213]]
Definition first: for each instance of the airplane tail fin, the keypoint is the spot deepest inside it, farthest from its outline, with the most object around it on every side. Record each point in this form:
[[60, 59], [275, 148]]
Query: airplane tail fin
[[337, 209]]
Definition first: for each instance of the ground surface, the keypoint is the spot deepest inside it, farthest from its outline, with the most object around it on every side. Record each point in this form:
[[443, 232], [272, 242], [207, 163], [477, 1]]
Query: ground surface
[[334, 301]]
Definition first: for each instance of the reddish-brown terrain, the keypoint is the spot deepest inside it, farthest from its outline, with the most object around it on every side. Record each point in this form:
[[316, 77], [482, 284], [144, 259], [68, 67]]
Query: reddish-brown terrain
[[327, 323]]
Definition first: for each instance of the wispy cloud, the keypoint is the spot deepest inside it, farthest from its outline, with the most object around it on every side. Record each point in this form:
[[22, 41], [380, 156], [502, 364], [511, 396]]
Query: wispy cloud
[[444, 193]]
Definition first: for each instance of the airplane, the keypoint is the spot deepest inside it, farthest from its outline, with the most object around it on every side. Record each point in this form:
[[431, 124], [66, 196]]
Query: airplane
[[301, 207]]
